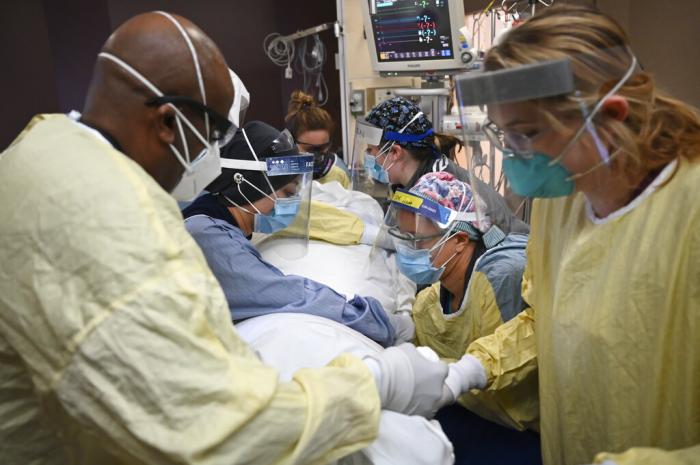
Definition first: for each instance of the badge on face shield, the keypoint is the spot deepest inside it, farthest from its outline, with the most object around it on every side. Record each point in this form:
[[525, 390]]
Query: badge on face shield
[[279, 166]]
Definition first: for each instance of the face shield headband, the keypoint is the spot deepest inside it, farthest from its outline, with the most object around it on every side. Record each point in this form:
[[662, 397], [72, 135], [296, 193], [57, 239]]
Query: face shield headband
[[532, 173], [413, 261], [271, 166], [444, 218]]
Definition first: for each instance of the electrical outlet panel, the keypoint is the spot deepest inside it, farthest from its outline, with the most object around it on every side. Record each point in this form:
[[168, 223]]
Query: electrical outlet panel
[[383, 94], [357, 101]]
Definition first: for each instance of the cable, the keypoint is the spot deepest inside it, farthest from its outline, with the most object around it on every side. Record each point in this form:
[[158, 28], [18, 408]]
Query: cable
[[279, 50], [310, 62], [513, 10], [501, 179], [520, 207], [307, 60]]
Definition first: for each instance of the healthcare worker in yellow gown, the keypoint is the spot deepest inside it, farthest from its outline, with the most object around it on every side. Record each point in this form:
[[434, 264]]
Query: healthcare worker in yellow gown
[[116, 343], [311, 127], [473, 277], [464, 263], [613, 323]]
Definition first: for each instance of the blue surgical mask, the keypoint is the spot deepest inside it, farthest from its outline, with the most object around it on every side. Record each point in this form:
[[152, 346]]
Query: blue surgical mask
[[280, 217], [417, 265], [537, 176], [380, 174], [370, 162], [375, 170]]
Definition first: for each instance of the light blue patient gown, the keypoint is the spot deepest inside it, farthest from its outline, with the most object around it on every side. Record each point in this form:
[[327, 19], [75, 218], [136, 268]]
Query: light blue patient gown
[[254, 287]]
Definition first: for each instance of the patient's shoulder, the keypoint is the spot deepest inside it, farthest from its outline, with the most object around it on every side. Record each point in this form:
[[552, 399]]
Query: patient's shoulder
[[206, 227]]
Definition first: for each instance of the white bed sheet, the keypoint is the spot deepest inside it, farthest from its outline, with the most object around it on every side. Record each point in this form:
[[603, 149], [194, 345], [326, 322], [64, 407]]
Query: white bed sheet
[[351, 269], [291, 341]]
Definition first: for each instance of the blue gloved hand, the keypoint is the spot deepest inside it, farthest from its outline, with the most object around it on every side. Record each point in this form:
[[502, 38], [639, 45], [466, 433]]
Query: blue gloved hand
[[407, 381]]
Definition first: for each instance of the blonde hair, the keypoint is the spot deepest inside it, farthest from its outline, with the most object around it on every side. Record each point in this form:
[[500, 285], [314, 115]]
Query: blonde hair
[[658, 128], [304, 114]]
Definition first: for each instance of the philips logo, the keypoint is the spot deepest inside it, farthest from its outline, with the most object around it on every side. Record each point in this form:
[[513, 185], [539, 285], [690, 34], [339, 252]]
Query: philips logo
[[413, 65]]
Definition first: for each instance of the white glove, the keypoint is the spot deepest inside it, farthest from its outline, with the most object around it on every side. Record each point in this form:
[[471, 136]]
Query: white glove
[[369, 234], [466, 374], [407, 381], [403, 325]]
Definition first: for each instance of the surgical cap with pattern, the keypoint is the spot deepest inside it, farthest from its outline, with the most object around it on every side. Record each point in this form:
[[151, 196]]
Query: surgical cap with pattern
[[393, 114]]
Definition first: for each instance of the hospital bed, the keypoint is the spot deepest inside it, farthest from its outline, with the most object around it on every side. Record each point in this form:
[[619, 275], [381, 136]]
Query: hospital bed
[[289, 342]]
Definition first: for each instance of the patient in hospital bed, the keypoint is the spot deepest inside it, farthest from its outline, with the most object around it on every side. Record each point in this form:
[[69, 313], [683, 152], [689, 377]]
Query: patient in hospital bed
[[292, 341], [304, 312], [264, 187]]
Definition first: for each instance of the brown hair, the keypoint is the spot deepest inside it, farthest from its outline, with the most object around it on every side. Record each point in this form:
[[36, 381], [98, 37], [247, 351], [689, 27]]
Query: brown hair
[[658, 128], [304, 114], [449, 145]]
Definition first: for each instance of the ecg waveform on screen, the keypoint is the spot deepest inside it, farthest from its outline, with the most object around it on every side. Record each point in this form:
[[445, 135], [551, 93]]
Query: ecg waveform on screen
[[412, 29]]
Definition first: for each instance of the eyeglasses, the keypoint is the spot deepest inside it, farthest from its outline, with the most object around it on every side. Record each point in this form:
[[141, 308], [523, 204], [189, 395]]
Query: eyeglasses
[[410, 237], [512, 144], [222, 129], [322, 148]]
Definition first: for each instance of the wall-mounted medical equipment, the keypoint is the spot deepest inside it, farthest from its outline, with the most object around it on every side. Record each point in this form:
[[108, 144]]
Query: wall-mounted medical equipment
[[415, 37]]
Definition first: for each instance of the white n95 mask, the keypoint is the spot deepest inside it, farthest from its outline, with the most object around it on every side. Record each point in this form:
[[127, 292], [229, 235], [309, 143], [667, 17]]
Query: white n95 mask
[[202, 171]]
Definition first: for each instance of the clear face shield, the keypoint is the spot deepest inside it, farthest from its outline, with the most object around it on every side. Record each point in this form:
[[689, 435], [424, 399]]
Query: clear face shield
[[370, 163], [368, 139], [418, 229], [288, 221], [538, 112]]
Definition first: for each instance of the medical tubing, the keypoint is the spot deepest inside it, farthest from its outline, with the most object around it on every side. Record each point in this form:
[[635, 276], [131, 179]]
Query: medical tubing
[[311, 71], [278, 50]]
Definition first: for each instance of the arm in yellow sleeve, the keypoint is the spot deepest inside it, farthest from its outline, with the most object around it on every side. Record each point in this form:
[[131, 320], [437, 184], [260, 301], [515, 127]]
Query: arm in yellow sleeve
[[155, 381], [509, 355], [336, 174], [650, 456], [510, 358], [331, 224]]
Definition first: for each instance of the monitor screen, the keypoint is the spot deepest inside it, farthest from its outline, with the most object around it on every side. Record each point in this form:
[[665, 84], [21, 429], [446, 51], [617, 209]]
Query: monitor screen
[[410, 30]]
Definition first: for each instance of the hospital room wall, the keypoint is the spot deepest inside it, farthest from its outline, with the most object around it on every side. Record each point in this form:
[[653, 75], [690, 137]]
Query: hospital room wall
[[665, 36], [49, 49], [43, 58]]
